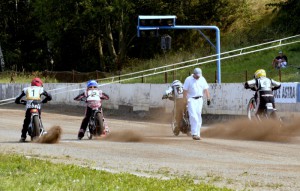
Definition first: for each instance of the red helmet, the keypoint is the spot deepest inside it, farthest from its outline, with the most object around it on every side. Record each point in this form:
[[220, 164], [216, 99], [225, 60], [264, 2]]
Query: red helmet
[[36, 82]]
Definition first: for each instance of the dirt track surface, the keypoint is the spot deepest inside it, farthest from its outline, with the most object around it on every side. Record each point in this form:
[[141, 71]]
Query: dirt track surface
[[234, 155]]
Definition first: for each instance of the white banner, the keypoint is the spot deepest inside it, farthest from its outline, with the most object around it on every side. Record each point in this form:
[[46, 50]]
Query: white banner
[[286, 94]]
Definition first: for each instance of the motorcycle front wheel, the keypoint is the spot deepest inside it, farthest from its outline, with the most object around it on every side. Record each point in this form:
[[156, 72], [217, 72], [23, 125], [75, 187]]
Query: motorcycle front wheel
[[99, 124], [88, 132], [174, 126]]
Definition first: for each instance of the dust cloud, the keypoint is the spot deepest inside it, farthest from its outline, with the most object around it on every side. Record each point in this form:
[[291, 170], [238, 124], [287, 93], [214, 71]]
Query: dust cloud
[[243, 129], [124, 136], [53, 136]]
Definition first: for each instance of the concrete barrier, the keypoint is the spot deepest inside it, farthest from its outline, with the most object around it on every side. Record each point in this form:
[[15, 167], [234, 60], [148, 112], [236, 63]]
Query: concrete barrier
[[227, 98]]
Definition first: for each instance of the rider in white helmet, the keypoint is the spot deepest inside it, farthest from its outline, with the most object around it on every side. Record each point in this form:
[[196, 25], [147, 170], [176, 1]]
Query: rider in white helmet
[[175, 93], [263, 87]]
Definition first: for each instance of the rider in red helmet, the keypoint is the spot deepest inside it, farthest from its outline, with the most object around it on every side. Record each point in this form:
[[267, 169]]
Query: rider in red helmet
[[33, 93], [37, 82]]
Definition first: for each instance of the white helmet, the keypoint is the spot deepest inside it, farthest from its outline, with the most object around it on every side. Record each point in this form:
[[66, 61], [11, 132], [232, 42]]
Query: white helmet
[[176, 83]]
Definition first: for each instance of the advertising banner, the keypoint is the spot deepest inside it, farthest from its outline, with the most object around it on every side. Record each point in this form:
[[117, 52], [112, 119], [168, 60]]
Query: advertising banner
[[287, 93]]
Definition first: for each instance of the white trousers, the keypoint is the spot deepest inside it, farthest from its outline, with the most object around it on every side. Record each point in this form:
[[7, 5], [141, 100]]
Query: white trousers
[[195, 110]]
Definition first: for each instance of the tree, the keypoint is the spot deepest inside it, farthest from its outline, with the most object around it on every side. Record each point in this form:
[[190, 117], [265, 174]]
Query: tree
[[21, 48], [288, 16]]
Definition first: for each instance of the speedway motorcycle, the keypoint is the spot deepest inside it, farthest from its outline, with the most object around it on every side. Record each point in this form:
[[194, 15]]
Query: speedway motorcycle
[[184, 125], [35, 128], [268, 113], [96, 125]]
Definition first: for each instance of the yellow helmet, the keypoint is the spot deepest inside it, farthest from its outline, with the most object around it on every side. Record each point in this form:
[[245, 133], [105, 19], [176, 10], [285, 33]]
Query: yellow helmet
[[260, 73]]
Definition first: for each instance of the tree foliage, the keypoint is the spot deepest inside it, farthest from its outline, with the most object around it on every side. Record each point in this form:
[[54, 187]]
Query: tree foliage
[[288, 16], [88, 35]]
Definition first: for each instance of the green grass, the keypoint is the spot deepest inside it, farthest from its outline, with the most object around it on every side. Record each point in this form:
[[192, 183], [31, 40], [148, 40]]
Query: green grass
[[21, 173], [233, 70], [23, 77]]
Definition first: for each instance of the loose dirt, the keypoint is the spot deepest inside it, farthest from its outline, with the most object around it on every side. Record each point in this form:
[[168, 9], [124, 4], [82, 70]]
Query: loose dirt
[[237, 154]]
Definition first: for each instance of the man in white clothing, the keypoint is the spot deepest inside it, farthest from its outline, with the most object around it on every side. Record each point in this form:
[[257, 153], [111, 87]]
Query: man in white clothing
[[193, 89]]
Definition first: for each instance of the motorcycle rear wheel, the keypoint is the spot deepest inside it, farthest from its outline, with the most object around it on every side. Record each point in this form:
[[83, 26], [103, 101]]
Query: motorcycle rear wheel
[[251, 109], [35, 127]]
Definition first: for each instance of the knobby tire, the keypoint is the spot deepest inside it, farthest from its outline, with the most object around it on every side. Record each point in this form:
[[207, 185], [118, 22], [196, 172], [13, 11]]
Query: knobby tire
[[35, 127], [99, 124]]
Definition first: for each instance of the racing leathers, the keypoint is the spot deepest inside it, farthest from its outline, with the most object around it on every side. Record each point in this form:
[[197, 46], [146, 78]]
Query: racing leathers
[[93, 98], [33, 96], [263, 88], [175, 93]]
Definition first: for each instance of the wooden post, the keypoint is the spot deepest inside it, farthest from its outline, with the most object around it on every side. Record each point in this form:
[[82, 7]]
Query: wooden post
[[279, 74], [166, 77], [174, 73], [215, 76], [143, 78], [73, 71], [119, 76]]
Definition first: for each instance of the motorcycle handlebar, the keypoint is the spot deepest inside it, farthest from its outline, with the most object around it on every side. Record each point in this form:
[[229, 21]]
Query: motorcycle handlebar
[[85, 99], [24, 102]]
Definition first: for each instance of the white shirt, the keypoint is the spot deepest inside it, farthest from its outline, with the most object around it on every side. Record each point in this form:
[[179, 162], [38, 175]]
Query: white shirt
[[195, 87]]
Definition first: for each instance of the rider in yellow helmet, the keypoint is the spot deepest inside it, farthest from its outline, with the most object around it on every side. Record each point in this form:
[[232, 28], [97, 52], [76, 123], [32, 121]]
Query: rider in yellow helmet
[[263, 88]]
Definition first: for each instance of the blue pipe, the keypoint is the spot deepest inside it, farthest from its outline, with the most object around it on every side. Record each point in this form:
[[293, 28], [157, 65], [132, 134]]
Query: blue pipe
[[218, 43]]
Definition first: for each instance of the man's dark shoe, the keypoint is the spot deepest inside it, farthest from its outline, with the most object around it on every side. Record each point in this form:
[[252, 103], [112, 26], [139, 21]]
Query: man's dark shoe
[[195, 137], [22, 140]]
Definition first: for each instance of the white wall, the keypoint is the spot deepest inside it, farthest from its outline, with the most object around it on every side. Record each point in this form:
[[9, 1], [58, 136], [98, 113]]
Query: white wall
[[227, 98]]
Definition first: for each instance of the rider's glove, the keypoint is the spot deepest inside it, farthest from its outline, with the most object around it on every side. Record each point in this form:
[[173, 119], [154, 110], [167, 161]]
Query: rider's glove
[[44, 101], [246, 86], [208, 101], [22, 102]]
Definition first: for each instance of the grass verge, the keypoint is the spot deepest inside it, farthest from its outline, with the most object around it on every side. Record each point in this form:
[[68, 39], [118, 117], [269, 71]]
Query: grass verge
[[23, 173]]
